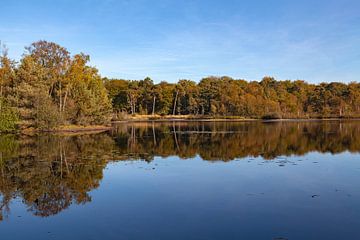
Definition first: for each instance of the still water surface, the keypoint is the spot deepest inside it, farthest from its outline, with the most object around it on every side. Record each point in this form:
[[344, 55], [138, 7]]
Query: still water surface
[[276, 180]]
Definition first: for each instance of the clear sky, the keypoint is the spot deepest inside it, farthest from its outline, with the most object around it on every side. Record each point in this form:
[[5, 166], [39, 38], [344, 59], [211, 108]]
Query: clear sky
[[314, 40]]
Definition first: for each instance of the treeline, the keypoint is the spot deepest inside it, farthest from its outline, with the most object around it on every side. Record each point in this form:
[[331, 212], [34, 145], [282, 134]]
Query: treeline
[[224, 96], [49, 87]]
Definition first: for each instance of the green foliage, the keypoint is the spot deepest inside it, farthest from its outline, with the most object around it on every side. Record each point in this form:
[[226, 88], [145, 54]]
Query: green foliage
[[8, 117], [91, 104], [49, 88], [46, 114], [117, 90]]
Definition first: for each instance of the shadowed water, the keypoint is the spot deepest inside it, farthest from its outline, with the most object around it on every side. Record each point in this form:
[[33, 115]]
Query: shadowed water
[[274, 180]]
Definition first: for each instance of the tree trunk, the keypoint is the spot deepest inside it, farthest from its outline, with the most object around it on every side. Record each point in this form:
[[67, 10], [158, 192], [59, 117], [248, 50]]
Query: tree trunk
[[131, 104], [65, 98], [153, 108], [60, 102], [1, 94], [175, 100], [51, 90], [134, 107]]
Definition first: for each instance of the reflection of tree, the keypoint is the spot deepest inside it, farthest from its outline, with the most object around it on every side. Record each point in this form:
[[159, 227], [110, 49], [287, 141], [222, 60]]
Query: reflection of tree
[[51, 172], [227, 141]]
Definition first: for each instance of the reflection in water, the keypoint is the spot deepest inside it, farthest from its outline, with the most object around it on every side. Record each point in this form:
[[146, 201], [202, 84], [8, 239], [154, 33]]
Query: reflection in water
[[227, 141], [51, 172]]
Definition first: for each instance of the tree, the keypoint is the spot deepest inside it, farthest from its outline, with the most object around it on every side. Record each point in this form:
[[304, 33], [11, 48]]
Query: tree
[[188, 94], [90, 102], [55, 61], [146, 95], [7, 72], [117, 90]]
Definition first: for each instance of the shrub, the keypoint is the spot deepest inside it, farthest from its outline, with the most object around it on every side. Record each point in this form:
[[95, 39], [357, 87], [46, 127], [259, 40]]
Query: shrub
[[121, 116], [8, 117], [47, 114], [270, 116]]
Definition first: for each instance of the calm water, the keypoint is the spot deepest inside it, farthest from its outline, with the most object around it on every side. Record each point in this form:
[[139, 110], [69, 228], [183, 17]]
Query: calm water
[[279, 180]]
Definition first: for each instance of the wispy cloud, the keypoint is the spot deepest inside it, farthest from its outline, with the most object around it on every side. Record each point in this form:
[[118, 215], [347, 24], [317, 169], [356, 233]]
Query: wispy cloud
[[168, 40]]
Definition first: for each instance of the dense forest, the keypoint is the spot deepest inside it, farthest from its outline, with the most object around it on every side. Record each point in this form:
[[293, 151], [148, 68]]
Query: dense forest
[[224, 96], [48, 88]]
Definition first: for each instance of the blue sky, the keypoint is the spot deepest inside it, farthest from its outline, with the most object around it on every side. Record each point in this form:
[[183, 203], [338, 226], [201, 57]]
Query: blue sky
[[316, 40]]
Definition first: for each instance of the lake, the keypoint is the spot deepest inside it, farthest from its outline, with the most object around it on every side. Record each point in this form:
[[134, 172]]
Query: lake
[[178, 180]]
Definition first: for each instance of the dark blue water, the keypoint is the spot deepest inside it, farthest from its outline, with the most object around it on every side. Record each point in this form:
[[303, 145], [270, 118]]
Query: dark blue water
[[106, 190]]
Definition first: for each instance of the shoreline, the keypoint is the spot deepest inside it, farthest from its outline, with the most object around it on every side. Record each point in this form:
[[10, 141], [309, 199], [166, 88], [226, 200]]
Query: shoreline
[[73, 129], [191, 118], [235, 120], [70, 129]]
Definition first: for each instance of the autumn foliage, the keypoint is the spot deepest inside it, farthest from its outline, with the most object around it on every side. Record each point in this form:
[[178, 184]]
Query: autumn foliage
[[226, 97], [49, 87]]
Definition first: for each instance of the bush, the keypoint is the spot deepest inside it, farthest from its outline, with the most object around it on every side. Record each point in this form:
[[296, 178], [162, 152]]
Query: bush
[[121, 116], [8, 117], [270, 116], [47, 114]]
